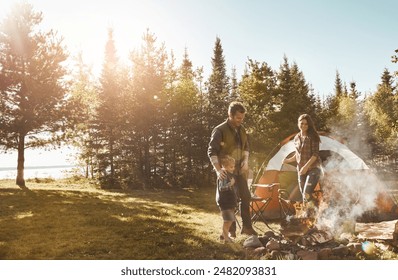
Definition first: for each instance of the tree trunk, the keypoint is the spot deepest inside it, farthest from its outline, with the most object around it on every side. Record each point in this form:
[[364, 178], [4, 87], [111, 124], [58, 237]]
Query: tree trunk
[[20, 181]]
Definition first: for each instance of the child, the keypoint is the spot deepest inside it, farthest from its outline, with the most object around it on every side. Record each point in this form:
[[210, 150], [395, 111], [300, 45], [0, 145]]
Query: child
[[226, 197]]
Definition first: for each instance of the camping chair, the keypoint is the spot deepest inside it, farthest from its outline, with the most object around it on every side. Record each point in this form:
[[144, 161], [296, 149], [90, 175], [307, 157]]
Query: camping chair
[[259, 204], [260, 201]]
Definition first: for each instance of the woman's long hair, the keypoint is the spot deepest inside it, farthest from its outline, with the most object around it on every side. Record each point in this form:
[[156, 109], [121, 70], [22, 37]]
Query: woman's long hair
[[311, 127]]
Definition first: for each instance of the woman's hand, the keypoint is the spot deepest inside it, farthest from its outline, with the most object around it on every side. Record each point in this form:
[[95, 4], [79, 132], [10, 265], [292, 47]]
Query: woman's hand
[[303, 170]]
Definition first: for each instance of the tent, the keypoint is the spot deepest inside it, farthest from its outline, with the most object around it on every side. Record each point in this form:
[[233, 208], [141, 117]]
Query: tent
[[348, 184]]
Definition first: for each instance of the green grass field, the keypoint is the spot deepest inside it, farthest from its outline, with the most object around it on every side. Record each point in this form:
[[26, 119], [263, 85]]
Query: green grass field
[[75, 220], [69, 221]]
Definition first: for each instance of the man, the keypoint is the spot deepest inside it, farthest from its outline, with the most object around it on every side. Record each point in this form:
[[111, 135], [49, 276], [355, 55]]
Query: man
[[230, 138]]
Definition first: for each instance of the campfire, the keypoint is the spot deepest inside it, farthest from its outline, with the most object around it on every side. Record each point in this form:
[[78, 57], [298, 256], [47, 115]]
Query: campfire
[[309, 235]]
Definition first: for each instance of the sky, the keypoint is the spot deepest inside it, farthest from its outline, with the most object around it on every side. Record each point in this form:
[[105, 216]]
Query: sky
[[354, 37]]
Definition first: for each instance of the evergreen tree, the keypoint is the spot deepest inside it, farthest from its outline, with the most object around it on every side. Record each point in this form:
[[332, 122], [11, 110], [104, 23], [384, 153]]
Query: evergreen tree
[[381, 111], [148, 100], [295, 98], [332, 103], [33, 100], [338, 86], [258, 91], [218, 88], [353, 94], [387, 80], [234, 86], [185, 135], [394, 59], [84, 91], [106, 125]]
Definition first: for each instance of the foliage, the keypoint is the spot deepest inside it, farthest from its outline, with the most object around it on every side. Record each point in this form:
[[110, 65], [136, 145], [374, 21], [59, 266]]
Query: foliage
[[84, 91], [382, 111], [258, 91], [34, 103], [218, 88], [275, 100], [148, 124]]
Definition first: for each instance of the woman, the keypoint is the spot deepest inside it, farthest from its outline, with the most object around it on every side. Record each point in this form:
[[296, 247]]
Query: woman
[[307, 143]]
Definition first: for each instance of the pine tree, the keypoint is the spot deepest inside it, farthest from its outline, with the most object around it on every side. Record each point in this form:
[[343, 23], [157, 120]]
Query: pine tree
[[381, 111], [294, 96], [234, 86], [106, 125], [84, 91], [353, 94], [338, 86], [218, 88], [258, 92], [33, 100], [148, 99]]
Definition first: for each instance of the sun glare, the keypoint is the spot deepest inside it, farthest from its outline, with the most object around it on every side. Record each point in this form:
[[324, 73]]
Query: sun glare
[[85, 29]]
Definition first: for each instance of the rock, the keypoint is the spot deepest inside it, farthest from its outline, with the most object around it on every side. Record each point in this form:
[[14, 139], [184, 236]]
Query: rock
[[355, 248], [307, 255], [252, 241], [260, 251], [325, 253], [340, 251], [273, 245], [275, 255], [269, 234]]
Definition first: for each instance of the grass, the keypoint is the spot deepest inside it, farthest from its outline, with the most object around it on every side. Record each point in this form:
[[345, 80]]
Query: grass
[[75, 220], [70, 221]]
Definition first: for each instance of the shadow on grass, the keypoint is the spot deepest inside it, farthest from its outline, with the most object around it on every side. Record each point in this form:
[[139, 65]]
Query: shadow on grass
[[61, 224]]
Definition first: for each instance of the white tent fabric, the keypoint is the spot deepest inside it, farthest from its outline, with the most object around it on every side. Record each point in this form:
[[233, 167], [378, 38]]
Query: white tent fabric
[[352, 161]]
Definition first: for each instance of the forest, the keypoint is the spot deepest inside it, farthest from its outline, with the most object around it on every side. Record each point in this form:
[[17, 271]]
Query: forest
[[147, 124]]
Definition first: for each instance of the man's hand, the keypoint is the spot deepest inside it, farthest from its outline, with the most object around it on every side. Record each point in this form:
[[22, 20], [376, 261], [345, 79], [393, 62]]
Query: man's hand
[[244, 167]]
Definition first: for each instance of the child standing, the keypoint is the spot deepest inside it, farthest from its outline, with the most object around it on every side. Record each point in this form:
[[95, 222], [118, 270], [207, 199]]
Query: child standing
[[226, 197]]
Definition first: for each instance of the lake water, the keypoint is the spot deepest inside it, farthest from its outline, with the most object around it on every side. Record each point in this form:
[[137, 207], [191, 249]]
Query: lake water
[[55, 172]]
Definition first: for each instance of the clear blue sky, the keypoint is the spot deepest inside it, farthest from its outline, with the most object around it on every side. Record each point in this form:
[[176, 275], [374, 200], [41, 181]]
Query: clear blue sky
[[355, 37]]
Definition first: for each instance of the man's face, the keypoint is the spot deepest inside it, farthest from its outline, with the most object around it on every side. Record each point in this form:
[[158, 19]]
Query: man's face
[[237, 119]]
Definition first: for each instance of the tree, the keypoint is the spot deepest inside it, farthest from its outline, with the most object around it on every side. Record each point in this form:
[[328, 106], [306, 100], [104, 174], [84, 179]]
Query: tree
[[106, 126], [353, 94], [185, 136], [84, 91], [148, 100], [218, 87], [258, 92], [234, 86], [34, 104], [332, 103], [294, 98], [394, 59], [381, 109]]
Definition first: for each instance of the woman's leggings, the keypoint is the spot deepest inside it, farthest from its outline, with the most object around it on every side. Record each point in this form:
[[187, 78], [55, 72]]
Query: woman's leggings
[[308, 182]]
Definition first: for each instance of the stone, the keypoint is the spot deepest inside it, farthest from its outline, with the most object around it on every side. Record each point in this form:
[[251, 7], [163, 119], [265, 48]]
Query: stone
[[307, 255], [355, 248], [260, 251], [273, 245], [340, 251], [325, 253]]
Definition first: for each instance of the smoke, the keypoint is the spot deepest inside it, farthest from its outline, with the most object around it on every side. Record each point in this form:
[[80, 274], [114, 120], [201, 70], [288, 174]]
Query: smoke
[[347, 196]]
